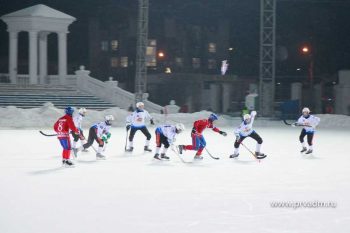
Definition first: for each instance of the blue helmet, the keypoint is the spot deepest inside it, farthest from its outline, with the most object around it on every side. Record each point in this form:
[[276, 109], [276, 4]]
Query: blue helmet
[[213, 117], [69, 111]]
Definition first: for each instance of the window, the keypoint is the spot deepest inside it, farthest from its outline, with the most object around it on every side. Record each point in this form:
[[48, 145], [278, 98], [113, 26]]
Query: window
[[196, 63], [211, 64], [152, 43], [104, 45], [179, 61], [114, 62], [124, 62], [212, 48], [151, 53], [114, 45]]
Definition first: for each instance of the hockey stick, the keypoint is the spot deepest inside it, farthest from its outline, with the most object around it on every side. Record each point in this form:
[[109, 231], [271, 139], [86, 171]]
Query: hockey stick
[[50, 135], [295, 124], [47, 135], [252, 153], [213, 157], [178, 154], [249, 150]]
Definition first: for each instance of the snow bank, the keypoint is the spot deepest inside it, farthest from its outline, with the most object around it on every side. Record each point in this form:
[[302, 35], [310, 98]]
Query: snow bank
[[45, 116]]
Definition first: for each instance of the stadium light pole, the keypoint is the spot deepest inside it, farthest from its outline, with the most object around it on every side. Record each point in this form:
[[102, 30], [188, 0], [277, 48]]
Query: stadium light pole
[[307, 51], [141, 46]]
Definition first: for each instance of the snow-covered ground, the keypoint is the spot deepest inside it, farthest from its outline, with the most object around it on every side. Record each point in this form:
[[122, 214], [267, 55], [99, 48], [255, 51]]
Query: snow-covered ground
[[134, 193]]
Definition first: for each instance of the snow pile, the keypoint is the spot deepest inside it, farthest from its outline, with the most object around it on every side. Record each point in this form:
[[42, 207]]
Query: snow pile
[[45, 116]]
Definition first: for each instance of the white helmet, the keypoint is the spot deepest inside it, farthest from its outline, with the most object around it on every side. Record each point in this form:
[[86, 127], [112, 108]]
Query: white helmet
[[306, 110], [179, 127], [246, 117], [139, 104], [109, 119], [82, 111]]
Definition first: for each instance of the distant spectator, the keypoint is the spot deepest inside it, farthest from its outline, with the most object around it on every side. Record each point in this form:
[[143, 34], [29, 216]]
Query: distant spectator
[[131, 108], [329, 109], [184, 108], [245, 111]]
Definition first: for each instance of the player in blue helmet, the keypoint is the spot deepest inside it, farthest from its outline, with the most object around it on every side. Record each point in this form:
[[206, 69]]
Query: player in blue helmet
[[69, 111], [198, 141], [213, 117]]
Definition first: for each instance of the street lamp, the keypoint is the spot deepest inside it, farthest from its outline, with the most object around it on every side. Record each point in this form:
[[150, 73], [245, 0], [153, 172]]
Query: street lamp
[[161, 54], [307, 52]]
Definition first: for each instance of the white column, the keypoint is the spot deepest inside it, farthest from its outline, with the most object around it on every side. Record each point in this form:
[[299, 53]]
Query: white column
[[62, 57], [43, 56], [13, 56], [33, 57], [226, 97], [215, 97]]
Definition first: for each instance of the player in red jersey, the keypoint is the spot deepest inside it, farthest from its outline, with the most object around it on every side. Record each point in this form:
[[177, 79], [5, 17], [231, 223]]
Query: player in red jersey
[[62, 127], [198, 141]]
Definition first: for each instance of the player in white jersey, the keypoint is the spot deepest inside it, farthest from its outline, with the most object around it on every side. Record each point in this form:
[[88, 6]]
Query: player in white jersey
[[245, 129], [100, 133], [309, 122], [77, 119], [165, 134], [136, 121]]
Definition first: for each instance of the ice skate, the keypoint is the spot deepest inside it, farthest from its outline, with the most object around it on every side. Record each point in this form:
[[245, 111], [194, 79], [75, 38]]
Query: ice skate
[[67, 163], [100, 156], [234, 156], [260, 155], [198, 157], [303, 150], [163, 156], [156, 156], [130, 149], [146, 148], [309, 151]]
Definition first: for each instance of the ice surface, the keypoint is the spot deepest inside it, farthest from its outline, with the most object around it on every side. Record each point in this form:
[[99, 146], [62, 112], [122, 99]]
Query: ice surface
[[134, 193]]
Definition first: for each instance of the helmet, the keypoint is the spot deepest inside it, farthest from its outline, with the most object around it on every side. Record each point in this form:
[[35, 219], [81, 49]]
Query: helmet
[[213, 117], [69, 111], [140, 104], [109, 119], [179, 127], [306, 110], [246, 117], [82, 111]]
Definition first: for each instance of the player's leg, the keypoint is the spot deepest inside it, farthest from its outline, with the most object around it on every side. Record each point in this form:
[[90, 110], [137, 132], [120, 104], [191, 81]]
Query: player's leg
[[158, 145], [148, 138], [165, 142], [131, 138], [301, 139], [310, 137]]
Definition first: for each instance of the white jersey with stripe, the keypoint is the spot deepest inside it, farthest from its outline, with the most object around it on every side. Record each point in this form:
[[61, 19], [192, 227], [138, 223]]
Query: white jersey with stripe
[[168, 131], [137, 118], [311, 122], [244, 129], [77, 120], [102, 128]]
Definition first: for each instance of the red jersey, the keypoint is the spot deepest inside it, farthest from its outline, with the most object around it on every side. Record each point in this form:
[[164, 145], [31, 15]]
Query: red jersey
[[63, 125], [200, 125]]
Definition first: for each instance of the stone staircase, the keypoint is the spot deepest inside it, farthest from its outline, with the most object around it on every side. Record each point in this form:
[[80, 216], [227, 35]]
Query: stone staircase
[[33, 96]]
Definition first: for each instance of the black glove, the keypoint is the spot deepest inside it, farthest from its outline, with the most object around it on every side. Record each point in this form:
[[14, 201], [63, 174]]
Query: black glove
[[152, 122], [223, 133], [193, 131], [128, 127]]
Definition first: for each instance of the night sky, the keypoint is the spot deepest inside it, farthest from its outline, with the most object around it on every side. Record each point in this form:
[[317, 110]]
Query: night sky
[[323, 24]]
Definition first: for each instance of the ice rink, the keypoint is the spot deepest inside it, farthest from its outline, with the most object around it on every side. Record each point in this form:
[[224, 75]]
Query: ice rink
[[135, 193]]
